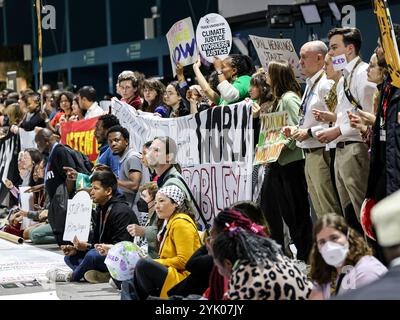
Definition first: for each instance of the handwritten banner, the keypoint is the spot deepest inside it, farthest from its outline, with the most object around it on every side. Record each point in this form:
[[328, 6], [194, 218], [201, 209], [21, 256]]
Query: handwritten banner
[[79, 213], [79, 135], [182, 43], [215, 150], [269, 49], [214, 37], [271, 140]]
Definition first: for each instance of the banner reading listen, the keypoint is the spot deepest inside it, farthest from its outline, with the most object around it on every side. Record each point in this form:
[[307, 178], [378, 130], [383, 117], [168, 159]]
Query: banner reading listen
[[79, 135]]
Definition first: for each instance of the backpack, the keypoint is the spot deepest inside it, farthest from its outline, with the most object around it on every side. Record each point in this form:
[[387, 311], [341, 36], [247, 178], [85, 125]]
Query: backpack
[[82, 162]]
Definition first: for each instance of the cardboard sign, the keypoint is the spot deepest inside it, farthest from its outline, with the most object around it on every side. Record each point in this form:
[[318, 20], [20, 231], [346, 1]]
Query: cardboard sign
[[79, 214], [388, 40], [339, 62], [214, 37], [182, 43], [271, 140], [269, 49]]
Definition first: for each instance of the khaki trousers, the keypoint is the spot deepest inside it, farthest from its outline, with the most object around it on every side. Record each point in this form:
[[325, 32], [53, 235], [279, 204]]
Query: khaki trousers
[[351, 171], [320, 184]]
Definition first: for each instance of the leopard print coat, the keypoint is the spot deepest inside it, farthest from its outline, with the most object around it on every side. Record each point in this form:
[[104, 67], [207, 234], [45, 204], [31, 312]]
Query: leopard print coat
[[280, 280]]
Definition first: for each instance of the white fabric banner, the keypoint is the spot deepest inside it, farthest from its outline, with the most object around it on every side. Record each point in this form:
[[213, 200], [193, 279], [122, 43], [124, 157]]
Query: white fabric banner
[[215, 149]]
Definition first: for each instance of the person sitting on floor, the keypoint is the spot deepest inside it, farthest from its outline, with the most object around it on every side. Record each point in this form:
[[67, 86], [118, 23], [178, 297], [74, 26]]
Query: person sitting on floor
[[111, 219], [178, 238]]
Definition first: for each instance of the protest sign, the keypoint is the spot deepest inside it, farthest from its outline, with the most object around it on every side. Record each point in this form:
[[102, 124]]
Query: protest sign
[[26, 204], [269, 49], [215, 150], [213, 37], [9, 149], [79, 135], [23, 262], [79, 213], [182, 43], [271, 139], [388, 39], [27, 139]]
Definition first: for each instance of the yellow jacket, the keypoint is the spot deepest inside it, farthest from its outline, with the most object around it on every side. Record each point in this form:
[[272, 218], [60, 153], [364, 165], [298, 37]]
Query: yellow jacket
[[181, 240]]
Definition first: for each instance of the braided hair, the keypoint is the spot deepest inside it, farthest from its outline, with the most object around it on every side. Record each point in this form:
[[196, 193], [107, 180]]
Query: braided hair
[[237, 244], [242, 63], [228, 216]]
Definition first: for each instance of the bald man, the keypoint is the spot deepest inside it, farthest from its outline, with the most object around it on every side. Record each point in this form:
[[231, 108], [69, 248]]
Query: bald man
[[317, 167], [55, 179]]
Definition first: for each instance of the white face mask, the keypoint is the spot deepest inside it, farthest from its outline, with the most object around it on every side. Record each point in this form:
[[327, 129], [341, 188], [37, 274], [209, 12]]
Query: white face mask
[[334, 253]]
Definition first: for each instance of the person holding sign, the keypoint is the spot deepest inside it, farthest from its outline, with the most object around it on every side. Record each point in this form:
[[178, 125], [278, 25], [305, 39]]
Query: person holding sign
[[354, 92], [284, 191], [317, 165], [234, 74], [111, 219]]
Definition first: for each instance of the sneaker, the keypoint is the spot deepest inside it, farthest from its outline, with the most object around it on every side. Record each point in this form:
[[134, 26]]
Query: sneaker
[[94, 276], [59, 275]]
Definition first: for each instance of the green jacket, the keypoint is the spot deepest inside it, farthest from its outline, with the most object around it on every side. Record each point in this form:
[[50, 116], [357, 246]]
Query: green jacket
[[242, 84], [150, 234], [290, 102]]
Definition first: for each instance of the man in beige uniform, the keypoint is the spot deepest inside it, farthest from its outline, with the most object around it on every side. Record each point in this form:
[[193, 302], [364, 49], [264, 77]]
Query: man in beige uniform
[[317, 167], [352, 162]]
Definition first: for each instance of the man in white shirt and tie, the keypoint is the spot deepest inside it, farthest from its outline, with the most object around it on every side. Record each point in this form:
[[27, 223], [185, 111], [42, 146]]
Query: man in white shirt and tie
[[87, 102], [317, 167], [352, 162]]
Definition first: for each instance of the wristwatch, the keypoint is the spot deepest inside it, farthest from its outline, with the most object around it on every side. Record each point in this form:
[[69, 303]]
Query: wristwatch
[[309, 132], [219, 72]]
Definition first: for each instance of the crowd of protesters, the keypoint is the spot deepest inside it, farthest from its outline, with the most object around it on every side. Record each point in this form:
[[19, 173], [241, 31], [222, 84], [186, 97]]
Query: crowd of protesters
[[341, 152]]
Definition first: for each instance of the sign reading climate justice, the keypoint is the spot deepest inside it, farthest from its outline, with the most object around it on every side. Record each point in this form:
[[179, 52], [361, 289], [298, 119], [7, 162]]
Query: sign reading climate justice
[[182, 43], [214, 37], [269, 49]]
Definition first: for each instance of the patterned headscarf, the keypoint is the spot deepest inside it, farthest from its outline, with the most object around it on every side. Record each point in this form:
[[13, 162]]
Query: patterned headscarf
[[174, 193]]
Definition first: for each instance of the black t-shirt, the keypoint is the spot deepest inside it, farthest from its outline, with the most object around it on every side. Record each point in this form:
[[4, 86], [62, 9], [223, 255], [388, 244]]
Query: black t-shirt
[[55, 175]]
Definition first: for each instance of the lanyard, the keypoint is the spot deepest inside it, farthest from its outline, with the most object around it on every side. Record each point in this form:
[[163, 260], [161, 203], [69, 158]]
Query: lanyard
[[303, 106], [347, 90], [103, 223], [48, 162]]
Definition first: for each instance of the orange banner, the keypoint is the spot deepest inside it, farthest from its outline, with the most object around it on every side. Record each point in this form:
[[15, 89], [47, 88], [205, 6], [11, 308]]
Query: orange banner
[[79, 135]]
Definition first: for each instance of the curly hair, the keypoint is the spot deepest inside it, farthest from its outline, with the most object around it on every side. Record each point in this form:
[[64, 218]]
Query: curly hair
[[323, 273]]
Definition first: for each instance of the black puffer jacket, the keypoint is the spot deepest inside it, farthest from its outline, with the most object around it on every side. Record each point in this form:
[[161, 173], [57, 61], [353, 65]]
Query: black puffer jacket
[[120, 216]]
